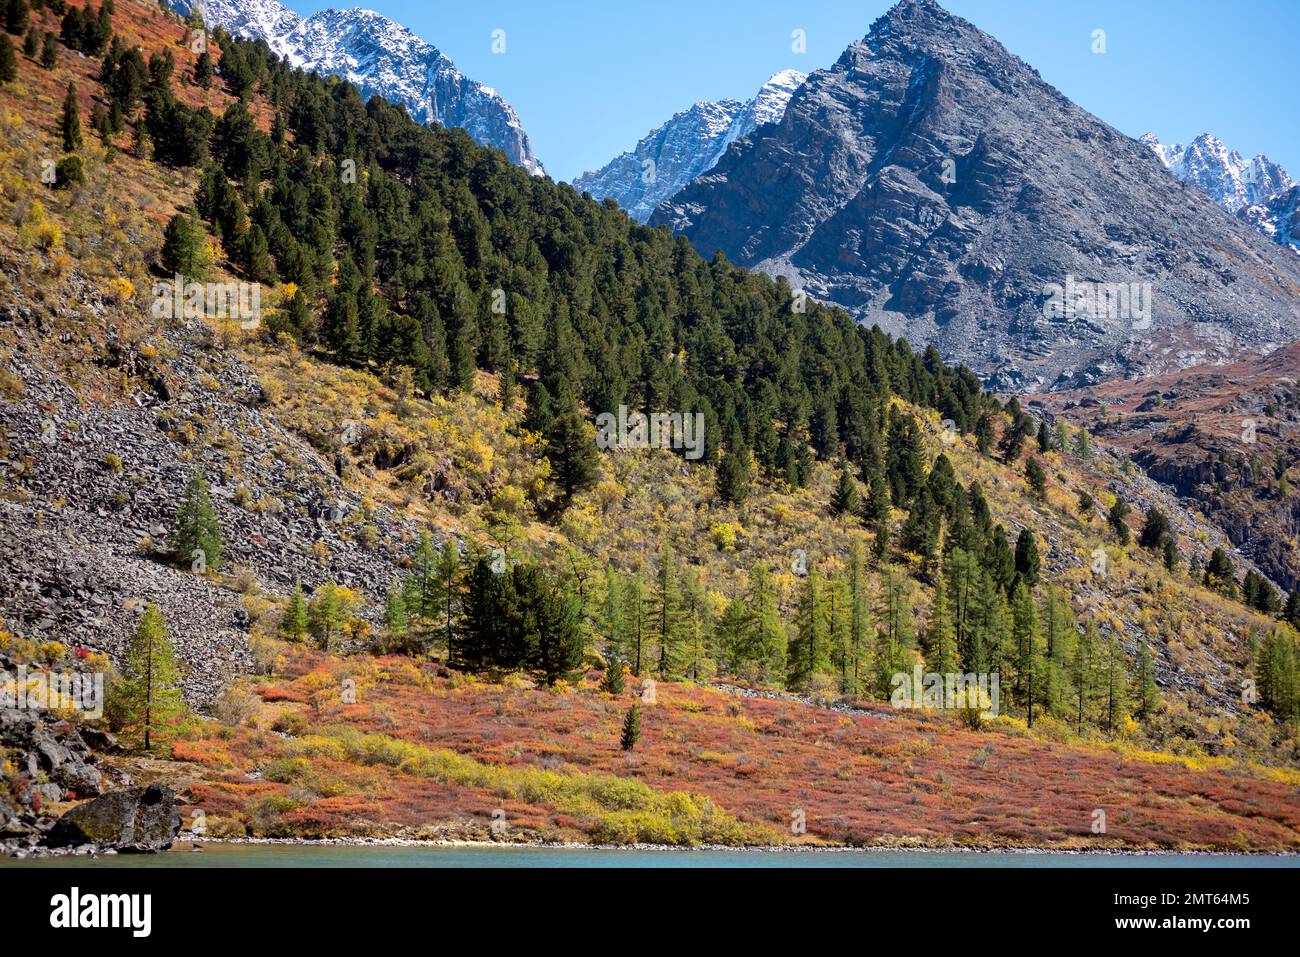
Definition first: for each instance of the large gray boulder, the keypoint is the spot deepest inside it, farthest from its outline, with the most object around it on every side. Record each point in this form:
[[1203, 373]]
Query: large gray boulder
[[138, 820]]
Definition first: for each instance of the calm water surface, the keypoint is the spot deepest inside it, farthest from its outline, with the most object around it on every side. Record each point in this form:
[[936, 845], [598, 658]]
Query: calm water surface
[[298, 855]]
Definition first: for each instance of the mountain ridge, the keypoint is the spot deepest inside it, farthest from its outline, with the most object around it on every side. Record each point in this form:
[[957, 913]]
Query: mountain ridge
[[380, 57], [688, 145]]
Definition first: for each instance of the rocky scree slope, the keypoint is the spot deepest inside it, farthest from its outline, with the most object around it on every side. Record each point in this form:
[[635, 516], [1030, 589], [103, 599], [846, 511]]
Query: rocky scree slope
[[88, 491]]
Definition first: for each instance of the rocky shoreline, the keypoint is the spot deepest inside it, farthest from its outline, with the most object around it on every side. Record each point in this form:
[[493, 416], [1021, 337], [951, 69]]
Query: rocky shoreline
[[185, 838]]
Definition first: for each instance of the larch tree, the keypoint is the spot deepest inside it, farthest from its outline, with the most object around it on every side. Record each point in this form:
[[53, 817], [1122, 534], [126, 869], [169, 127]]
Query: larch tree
[[149, 691]]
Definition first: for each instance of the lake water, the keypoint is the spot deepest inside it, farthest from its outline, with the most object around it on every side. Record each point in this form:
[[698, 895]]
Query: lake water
[[300, 855]]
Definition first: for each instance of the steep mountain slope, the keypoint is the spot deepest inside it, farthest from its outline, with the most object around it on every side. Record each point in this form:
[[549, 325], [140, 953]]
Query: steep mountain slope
[[932, 182], [1226, 438], [689, 144], [380, 58]]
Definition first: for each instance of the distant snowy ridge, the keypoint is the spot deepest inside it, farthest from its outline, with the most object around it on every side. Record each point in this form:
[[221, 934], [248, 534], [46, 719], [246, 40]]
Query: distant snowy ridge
[[1256, 190], [380, 58], [687, 146]]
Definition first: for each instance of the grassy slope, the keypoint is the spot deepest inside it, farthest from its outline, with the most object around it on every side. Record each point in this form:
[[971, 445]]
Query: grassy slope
[[860, 778]]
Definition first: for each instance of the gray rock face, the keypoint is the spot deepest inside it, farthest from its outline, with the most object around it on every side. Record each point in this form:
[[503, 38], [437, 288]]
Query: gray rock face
[[931, 182], [381, 58], [51, 756], [1279, 218], [137, 820]]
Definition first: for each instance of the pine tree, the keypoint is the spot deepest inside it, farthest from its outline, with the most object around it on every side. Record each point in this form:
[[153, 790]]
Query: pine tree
[[293, 626], [1036, 478], [70, 124], [635, 623], [875, 506], [1025, 635], [809, 651], [733, 474], [1219, 573], [1169, 554], [196, 533], [203, 70], [149, 692], [1156, 531], [697, 627], [631, 728], [571, 448], [16, 16], [1060, 633], [256, 256], [1044, 437], [1027, 561], [446, 594], [1084, 665], [49, 51], [1115, 518], [940, 637], [182, 249], [396, 619], [558, 647], [612, 617], [858, 639], [896, 638], [666, 614], [327, 613], [1275, 672], [1292, 611], [1116, 688], [844, 501], [1086, 505], [8, 61], [613, 681]]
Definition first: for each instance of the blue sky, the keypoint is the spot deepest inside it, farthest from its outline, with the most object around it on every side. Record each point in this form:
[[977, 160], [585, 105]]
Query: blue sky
[[591, 77]]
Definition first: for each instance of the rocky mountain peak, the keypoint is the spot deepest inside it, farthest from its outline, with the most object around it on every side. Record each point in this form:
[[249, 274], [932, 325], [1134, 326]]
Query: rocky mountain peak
[[381, 58], [687, 146], [931, 182]]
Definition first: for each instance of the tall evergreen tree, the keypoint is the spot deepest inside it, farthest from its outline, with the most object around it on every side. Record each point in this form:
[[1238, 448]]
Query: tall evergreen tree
[[293, 626], [70, 123], [148, 696], [8, 61], [631, 728], [844, 500], [940, 637], [196, 533]]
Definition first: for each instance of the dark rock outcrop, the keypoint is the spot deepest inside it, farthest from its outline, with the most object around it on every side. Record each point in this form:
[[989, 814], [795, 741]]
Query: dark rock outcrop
[[137, 820]]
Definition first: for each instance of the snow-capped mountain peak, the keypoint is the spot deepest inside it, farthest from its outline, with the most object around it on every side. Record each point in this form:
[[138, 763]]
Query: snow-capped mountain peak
[[380, 57], [1230, 179], [687, 146], [1257, 191]]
